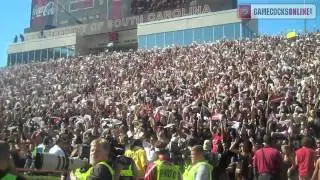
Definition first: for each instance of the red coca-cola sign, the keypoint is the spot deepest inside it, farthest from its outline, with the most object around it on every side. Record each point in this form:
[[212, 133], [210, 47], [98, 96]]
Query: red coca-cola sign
[[43, 12]]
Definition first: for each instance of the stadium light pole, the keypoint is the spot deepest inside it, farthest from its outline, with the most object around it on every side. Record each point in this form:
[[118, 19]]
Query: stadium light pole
[[108, 10]]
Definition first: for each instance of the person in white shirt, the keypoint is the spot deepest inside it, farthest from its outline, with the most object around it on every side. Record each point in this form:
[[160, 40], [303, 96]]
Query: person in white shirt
[[150, 149], [45, 145], [57, 149]]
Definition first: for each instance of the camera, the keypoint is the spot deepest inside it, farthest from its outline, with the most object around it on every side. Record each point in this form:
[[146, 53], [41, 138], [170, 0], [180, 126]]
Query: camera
[[119, 158], [56, 163]]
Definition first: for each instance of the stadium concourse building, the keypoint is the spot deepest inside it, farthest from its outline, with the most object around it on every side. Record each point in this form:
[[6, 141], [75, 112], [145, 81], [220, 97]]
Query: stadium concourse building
[[203, 28], [69, 28]]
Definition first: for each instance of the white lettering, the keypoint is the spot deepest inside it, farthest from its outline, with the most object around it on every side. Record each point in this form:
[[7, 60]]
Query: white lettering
[[124, 22], [151, 17], [167, 14], [132, 20], [46, 10], [183, 12], [197, 10], [141, 19], [206, 9], [176, 13], [159, 16], [93, 27]]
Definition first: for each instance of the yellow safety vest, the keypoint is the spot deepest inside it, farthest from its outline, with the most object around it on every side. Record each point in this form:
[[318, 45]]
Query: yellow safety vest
[[129, 153], [166, 171], [191, 171], [127, 172], [136, 155], [85, 175], [9, 176]]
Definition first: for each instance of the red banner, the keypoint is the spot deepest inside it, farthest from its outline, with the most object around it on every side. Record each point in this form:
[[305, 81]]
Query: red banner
[[116, 9]]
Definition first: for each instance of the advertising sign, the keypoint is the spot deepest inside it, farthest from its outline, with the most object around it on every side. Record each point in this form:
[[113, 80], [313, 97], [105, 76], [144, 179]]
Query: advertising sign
[[77, 5], [43, 12]]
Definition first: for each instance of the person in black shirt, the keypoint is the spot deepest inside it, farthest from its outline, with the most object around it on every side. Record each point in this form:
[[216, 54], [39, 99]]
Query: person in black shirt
[[99, 155], [100, 172]]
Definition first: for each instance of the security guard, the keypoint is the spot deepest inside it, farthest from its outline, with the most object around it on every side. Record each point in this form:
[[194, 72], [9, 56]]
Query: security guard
[[6, 165], [199, 168], [162, 169], [100, 169], [129, 170], [139, 156]]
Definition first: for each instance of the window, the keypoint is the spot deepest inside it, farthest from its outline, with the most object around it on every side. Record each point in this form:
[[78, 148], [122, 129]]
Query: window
[[151, 41], [64, 52], [198, 35], [19, 58], [237, 31], [44, 54], [218, 32], [37, 55], [25, 57], [57, 53], [13, 59], [188, 36], [31, 56], [168, 36], [142, 42], [8, 60], [178, 38], [50, 53], [208, 34], [160, 40], [246, 31], [229, 31], [71, 52]]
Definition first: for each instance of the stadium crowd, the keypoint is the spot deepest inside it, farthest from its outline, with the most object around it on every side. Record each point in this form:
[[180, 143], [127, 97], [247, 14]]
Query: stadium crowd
[[252, 105]]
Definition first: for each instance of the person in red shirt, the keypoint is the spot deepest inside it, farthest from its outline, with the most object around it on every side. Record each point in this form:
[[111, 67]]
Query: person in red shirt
[[305, 159], [318, 148], [267, 161]]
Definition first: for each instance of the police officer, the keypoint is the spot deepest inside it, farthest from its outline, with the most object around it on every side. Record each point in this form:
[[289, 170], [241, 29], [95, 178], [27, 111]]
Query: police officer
[[6, 164], [126, 164], [199, 168], [139, 156], [162, 168], [100, 167]]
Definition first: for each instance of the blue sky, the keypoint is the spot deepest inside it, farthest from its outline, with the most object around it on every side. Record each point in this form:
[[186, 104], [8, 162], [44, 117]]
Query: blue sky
[[15, 16]]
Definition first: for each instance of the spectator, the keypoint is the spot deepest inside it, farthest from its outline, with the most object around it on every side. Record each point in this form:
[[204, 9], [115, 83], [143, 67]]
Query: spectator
[[267, 161], [6, 165], [162, 164], [180, 96], [138, 154], [305, 159], [199, 169]]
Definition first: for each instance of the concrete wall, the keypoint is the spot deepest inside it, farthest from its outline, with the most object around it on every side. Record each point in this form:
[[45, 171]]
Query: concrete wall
[[43, 43], [203, 20], [128, 37]]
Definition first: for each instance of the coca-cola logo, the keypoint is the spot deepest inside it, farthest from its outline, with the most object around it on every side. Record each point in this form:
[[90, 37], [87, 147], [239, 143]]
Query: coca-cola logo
[[47, 10]]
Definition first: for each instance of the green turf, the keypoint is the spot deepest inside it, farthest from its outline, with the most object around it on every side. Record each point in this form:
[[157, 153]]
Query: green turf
[[42, 177]]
